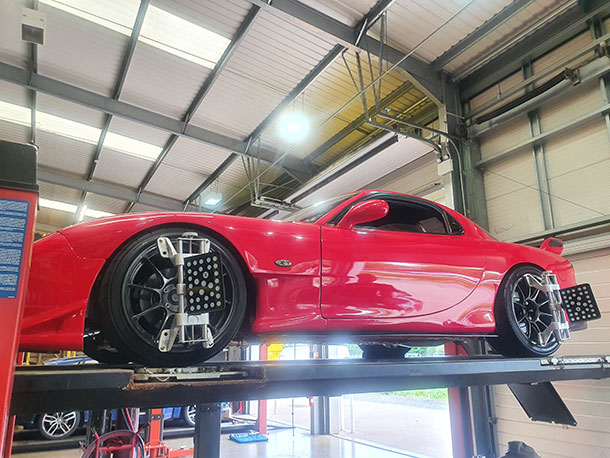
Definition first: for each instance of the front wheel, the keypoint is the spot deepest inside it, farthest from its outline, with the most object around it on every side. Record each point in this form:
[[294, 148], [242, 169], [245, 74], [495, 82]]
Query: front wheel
[[522, 315], [138, 296], [189, 414]]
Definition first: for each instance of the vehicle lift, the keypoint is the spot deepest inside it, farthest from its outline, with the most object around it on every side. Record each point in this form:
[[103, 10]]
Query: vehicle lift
[[93, 387], [39, 389]]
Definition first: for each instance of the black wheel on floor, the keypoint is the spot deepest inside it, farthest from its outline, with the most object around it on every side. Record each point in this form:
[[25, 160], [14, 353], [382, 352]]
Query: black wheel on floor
[[138, 295], [522, 315], [58, 425], [379, 351], [188, 415]]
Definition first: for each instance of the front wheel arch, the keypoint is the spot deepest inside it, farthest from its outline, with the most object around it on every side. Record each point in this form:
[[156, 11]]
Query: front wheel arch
[[95, 317]]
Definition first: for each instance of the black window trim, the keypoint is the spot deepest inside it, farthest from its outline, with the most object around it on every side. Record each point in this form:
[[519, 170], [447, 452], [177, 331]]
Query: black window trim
[[406, 199]]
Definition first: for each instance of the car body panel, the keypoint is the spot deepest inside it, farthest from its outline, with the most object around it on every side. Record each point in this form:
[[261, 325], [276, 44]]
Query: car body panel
[[373, 287]]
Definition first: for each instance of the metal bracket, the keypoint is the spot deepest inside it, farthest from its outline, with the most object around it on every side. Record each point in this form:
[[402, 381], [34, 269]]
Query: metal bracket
[[560, 327], [182, 320]]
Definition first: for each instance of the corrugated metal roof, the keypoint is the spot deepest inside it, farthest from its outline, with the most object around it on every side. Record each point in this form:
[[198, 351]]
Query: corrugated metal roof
[[81, 52], [106, 204], [271, 60], [12, 50], [64, 153], [195, 156], [120, 168], [411, 21], [349, 12], [171, 181], [500, 36], [58, 193], [165, 83]]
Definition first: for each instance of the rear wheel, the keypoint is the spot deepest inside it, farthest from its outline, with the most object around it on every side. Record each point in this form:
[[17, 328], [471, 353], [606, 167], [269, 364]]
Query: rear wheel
[[138, 295], [522, 315], [189, 414], [379, 351]]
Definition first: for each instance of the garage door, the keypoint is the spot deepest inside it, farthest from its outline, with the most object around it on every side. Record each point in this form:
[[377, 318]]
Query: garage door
[[589, 400]]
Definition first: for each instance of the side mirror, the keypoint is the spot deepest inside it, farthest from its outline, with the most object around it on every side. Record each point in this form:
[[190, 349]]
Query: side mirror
[[364, 212]]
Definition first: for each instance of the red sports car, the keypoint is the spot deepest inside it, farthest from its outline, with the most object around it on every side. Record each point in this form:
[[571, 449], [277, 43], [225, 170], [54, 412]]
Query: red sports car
[[379, 268]]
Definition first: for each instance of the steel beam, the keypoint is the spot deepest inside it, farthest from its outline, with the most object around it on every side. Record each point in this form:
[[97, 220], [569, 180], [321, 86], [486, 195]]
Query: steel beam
[[53, 388], [109, 190], [544, 136], [480, 33], [25, 78], [539, 158], [569, 24], [205, 89], [395, 95], [116, 93], [422, 75], [290, 98]]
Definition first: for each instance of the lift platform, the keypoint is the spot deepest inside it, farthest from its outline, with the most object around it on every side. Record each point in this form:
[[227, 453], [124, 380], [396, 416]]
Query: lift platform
[[91, 387]]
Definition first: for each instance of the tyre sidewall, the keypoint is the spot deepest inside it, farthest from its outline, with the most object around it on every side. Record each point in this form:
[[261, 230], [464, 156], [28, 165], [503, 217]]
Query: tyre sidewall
[[513, 341], [125, 337]]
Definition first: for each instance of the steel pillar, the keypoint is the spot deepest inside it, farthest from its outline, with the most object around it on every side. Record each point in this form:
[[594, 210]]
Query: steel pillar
[[539, 156], [319, 416], [207, 431]]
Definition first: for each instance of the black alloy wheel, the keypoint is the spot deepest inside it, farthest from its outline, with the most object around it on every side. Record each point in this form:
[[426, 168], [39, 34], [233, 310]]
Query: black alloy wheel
[[522, 316], [138, 291]]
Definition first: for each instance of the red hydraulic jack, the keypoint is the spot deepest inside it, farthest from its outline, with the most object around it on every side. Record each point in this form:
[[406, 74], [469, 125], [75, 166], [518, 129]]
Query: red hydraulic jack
[[155, 447], [18, 198]]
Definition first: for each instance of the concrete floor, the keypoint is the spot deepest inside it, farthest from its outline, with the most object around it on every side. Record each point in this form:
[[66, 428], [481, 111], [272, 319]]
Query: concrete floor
[[282, 444]]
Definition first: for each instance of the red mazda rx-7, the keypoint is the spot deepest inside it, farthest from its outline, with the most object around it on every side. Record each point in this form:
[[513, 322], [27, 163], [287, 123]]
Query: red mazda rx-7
[[382, 269]]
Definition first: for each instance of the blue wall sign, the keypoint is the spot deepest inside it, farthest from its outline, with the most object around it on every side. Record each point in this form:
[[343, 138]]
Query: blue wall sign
[[13, 226]]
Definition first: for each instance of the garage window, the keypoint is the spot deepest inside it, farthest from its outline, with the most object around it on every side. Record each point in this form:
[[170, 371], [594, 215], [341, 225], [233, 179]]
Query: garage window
[[410, 217]]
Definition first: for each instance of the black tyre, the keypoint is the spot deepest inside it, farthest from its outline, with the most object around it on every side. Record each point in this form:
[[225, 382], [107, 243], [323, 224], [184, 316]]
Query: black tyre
[[379, 351], [522, 314], [188, 415], [138, 296], [58, 425]]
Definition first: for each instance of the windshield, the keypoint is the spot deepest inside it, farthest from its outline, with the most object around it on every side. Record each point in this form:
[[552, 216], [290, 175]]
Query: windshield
[[316, 211]]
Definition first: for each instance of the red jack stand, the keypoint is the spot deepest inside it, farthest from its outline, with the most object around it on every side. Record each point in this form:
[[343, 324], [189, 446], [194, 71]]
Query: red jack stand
[[18, 197], [155, 447]]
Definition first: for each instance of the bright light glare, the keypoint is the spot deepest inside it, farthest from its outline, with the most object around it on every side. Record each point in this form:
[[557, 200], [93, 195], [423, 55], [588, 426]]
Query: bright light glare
[[213, 198], [71, 129], [71, 208], [293, 126], [160, 29]]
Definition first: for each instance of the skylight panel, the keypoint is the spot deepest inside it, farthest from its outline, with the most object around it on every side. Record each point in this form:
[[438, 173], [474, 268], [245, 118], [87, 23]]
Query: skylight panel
[[161, 29], [182, 38], [78, 131], [117, 15], [71, 208]]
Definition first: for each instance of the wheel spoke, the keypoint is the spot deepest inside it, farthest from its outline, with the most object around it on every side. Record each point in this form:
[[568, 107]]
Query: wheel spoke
[[144, 287], [52, 429], [141, 314], [156, 270]]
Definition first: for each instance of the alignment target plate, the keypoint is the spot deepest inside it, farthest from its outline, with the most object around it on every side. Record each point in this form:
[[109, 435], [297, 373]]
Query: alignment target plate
[[579, 303], [203, 278]]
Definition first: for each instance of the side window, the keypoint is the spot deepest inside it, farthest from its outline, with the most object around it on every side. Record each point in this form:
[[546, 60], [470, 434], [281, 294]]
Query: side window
[[410, 217]]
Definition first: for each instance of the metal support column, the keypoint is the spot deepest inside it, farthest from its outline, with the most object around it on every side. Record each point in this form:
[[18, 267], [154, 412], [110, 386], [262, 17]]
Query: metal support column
[[207, 431], [320, 405], [450, 120], [598, 30], [474, 184], [539, 156]]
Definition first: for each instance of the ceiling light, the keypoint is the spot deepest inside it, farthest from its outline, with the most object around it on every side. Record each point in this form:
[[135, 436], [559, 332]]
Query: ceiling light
[[71, 208], [55, 205], [78, 131], [160, 29], [212, 198], [96, 213], [293, 126]]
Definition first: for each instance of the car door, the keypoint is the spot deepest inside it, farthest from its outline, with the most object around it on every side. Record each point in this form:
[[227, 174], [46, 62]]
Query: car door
[[414, 261]]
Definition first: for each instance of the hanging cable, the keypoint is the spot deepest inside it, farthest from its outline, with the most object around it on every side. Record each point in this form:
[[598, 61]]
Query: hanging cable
[[346, 104]]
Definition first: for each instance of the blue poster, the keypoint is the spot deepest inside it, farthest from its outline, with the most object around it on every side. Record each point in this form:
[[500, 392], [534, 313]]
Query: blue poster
[[13, 226]]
